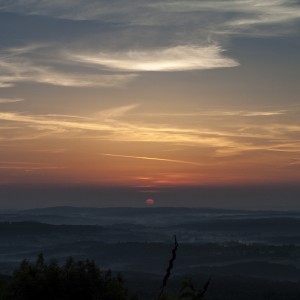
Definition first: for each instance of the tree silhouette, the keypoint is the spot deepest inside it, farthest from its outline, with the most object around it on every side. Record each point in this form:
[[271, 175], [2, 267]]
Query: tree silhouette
[[71, 281]]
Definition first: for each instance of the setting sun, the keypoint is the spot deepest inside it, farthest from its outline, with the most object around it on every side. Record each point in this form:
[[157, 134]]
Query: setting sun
[[149, 201]]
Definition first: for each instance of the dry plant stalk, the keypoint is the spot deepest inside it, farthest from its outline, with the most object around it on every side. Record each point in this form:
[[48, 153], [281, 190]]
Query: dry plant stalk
[[169, 268]]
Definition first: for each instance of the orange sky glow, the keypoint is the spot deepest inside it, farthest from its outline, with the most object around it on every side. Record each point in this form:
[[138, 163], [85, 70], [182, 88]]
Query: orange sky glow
[[172, 94]]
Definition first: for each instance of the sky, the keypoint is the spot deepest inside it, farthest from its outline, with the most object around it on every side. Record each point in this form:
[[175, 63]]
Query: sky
[[149, 96]]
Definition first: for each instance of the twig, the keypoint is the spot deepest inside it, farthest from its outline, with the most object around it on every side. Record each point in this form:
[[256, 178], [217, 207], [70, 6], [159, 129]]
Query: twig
[[205, 287], [168, 270]]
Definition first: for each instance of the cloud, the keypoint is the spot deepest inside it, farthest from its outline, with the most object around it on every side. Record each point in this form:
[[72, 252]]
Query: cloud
[[115, 130], [139, 36], [33, 63], [22, 65], [24, 49], [218, 113], [231, 138], [5, 84], [238, 14], [51, 77], [27, 166], [267, 12], [115, 112], [154, 158], [179, 58], [6, 100], [294, 161], [82, 80], [232, 14], [56, 122], [68, 9]]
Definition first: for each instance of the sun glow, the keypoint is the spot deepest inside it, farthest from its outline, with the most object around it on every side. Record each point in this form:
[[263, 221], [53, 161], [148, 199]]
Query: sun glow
[[149, 201]]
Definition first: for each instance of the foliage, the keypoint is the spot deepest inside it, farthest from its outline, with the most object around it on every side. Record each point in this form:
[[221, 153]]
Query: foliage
[[71, 281], [188, 291]]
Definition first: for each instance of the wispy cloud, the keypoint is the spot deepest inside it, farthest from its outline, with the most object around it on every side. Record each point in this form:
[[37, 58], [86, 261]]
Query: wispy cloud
[[20, 65], [7, 100], [294, 161], [219, 113], [47, 76], [233, 137], [179, 58], [150, 184], [267, 12], [47, 121], [115, 130], [82, 80], [234, 14], [181, 36], [238, 15], [27, 166], [93, 9], [115, 112], [154, 158]]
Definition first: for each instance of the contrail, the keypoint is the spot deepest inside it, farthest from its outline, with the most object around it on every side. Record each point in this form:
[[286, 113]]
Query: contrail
[[154, 158]]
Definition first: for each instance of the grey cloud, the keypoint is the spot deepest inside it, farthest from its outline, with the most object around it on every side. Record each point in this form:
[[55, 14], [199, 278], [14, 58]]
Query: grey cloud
[[210, 15], [143, 36]]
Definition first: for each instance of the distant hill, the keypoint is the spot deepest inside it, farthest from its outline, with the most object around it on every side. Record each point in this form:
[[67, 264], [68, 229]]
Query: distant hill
[[147, 215], [256, 244]]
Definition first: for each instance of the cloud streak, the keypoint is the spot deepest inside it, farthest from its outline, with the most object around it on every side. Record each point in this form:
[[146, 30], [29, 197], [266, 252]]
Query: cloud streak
[[236, 14], [179, 58], [154, 158], [27, 166], [230, 139], [115, 112], [21, 65], [220, 113], [7, 100]]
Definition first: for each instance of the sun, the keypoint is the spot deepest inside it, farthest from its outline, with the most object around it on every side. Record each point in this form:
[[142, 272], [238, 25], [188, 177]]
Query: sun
[[149, 201]]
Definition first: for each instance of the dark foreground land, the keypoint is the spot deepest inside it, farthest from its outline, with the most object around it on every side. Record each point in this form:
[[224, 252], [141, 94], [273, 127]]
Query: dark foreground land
[[248, 255]]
